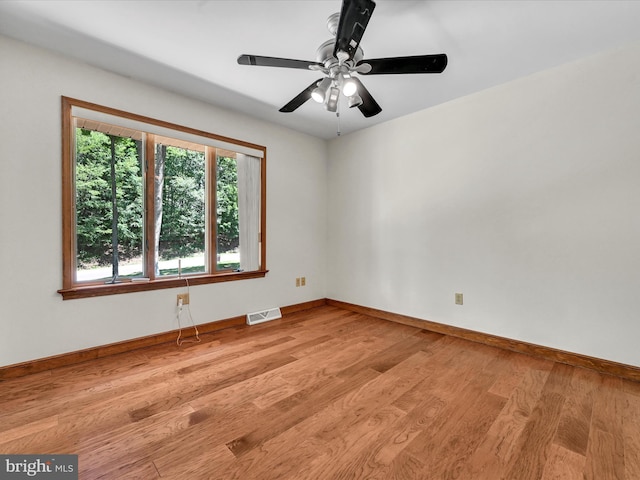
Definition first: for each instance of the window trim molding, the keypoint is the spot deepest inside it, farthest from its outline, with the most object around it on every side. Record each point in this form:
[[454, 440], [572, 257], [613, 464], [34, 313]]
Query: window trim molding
[[71, 290]]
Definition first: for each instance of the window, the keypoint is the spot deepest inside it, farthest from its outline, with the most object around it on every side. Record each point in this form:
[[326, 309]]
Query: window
[[148, 204]]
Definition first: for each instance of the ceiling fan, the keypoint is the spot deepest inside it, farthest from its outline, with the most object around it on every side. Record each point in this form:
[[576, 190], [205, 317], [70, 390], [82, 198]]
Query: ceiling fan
[[340, 57]]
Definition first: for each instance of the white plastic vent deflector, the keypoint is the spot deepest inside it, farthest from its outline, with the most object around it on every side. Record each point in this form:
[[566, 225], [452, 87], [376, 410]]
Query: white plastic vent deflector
[[263, 316]]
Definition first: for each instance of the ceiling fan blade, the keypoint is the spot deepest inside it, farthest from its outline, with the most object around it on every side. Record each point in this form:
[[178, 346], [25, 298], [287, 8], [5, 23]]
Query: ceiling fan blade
[[396, 65], [299, 99], [369, 106], [354, 17], [276, 62]]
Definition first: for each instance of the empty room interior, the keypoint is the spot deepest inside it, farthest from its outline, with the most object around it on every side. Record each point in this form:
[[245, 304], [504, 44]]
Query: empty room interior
[[321, 239]]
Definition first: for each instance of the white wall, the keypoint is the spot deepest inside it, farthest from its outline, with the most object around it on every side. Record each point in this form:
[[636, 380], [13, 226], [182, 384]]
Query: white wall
[[525, 198], [34, 320]]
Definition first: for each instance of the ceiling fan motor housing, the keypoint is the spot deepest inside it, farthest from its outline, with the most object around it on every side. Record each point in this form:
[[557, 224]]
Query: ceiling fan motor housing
[[324, 55]]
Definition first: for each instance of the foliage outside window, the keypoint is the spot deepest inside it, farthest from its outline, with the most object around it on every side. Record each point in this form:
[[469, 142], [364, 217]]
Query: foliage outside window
[[144, 210]]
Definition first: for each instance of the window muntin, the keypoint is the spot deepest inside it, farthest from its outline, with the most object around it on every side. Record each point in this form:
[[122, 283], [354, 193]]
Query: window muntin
[[176, 206]]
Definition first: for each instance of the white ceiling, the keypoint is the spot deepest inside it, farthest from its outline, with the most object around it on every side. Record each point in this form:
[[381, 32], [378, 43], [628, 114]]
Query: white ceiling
[[191, 47]]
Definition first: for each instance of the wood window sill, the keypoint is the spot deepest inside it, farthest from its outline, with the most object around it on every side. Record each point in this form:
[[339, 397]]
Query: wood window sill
[[98, 290]]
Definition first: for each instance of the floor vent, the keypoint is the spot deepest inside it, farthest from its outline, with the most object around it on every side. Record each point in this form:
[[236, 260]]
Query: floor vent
[[264, 316]]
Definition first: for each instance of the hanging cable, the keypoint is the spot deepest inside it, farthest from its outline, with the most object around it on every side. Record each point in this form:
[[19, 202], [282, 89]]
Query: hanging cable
[[179, 340]]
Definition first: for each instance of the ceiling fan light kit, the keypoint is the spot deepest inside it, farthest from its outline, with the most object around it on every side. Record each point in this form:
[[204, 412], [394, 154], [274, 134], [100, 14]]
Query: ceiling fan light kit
[[341, 57], [331, 103], [355, 100], [348, 86], [319, 93]]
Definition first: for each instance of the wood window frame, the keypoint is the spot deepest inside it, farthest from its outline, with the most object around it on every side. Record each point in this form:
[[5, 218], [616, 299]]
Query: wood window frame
[[72, 289]]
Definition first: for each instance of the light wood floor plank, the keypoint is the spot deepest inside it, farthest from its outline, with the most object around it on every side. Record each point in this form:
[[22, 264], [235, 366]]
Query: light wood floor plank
[[606, 449], [564, 464], [575, 420], [499, 445], [534, 444], [631, 426]]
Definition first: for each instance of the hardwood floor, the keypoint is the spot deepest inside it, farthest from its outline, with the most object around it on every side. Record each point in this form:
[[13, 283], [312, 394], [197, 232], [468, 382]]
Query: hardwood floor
[[327, 394]]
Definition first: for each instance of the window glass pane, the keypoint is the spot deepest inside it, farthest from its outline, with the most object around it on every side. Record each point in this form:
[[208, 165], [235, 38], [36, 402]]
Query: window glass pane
[[180, 214], [109, 205], [227, 228]]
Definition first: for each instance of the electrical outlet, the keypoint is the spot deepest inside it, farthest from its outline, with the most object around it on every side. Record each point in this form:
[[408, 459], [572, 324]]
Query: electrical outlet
[[297, 281], [184, 297], [458, 299], [303, 281]]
